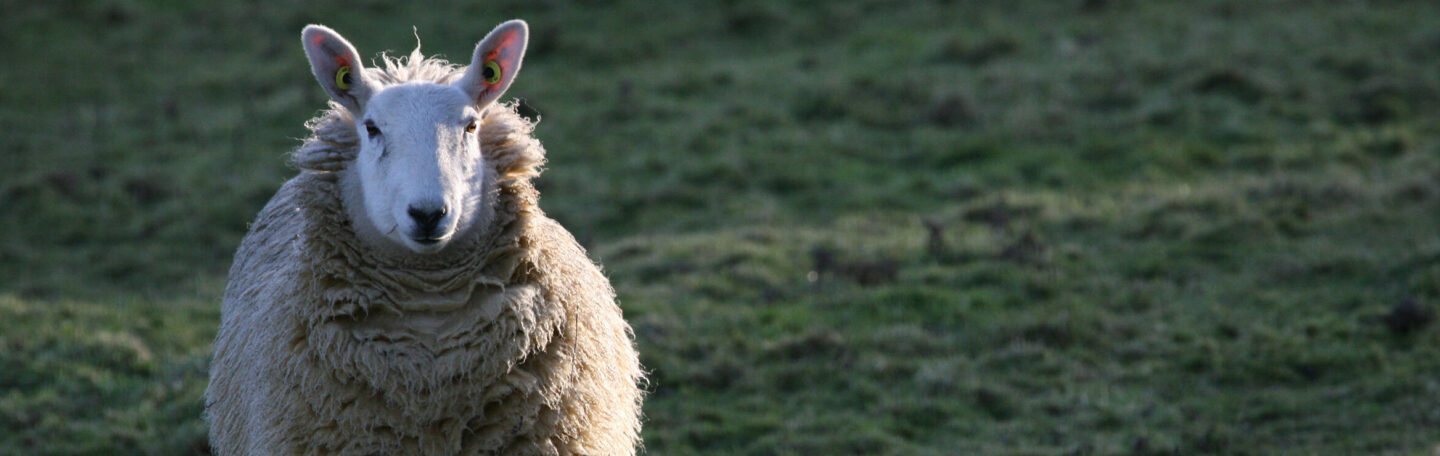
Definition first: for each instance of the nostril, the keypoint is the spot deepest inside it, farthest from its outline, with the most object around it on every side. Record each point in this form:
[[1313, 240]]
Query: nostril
[[428, 217]]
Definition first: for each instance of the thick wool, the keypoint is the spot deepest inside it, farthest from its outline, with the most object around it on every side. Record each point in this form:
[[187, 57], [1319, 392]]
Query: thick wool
[[507, 342]]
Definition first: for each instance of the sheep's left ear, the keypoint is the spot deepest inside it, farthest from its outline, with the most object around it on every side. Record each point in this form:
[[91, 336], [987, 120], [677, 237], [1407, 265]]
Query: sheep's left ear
[[497, 59]]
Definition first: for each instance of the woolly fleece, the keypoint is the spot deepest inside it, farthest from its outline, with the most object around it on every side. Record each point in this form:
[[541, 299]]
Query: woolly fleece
[[508, 342]]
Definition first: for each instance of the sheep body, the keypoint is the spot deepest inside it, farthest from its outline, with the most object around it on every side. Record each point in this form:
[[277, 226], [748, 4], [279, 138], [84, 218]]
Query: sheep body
[[507, 342]]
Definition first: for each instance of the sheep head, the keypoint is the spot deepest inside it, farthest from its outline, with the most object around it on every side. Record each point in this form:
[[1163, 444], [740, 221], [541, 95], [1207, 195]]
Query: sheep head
[[419, 169]]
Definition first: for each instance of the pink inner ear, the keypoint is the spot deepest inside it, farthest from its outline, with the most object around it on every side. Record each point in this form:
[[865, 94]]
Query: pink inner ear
[[319, 40], [494, 55], [505, 42]]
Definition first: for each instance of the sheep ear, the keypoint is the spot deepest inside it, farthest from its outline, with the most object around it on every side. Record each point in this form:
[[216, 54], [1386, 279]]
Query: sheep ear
[[496, 60], [337, 66]]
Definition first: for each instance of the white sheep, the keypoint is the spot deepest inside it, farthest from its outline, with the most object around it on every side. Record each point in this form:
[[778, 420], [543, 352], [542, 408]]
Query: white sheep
[[404, 294]]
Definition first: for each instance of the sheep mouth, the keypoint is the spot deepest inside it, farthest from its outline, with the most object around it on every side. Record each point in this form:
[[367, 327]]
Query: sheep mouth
[[429, 238]]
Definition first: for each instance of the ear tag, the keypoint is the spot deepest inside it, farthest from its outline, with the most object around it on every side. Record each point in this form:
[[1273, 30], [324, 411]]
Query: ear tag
[[342, 78], [492, 72]]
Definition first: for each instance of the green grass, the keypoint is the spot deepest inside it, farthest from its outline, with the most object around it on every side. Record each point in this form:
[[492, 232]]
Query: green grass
[[997, 227]]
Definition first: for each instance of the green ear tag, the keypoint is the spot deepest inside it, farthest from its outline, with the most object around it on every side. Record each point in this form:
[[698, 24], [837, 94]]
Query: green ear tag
[[342, 78], [492, 72]]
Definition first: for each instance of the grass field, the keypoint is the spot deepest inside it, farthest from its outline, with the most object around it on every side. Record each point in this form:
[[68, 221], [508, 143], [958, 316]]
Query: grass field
[[869, 227]]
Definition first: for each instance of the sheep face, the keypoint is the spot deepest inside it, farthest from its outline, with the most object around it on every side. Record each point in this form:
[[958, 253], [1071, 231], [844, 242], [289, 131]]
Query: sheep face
[[420, 169], [420, 166]]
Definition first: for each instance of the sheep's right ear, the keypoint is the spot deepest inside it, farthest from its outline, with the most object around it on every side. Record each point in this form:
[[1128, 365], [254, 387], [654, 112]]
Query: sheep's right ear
[[337, 66]]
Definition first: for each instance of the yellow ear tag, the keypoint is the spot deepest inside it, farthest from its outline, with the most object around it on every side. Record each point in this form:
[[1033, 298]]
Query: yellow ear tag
[[342, 78], [492, 72]]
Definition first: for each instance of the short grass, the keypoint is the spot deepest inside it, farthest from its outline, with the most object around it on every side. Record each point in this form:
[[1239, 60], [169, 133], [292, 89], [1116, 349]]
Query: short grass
[[871, 227]]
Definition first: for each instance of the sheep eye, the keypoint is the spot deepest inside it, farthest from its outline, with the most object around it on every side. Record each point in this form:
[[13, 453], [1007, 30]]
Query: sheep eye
[[470, 128], [372, 129]]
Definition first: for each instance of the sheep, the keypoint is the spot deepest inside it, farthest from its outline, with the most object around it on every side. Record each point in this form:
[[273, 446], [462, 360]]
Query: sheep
[[404, 294]]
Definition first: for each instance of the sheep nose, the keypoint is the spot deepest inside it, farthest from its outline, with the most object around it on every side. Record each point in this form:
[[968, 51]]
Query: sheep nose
[[426, 218]]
